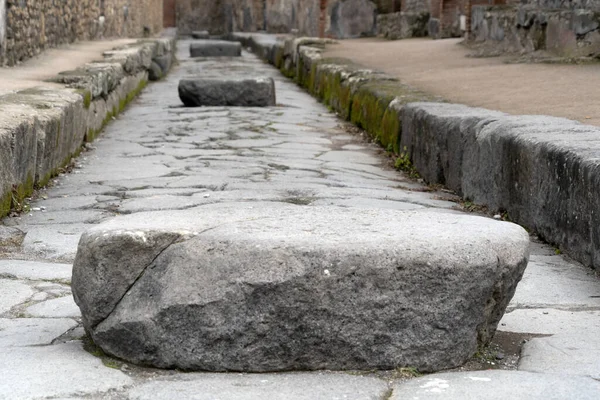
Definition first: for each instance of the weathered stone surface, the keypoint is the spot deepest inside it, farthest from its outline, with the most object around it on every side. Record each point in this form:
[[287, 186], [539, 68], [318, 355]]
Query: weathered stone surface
[[200, 35], [559, 30], [57, 371], [164, 62], [259, 92], [62, 307], [215, 48], [13, 293], [402, 25], [352, 18], [28, 28], [10, 236], [34, 270], [574, 353], [297, 386], [497, 385], [155, 72], [32, 331], [274, 287], [541, 170]]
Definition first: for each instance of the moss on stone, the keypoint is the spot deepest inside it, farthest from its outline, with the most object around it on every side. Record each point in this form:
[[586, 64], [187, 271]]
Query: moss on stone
[[5, 202], [87, 97], [371, 101], [391, 129], [278, 59]]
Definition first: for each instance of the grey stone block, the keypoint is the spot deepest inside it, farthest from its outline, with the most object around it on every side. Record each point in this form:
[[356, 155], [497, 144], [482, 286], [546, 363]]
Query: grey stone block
[[155, 72], [542, 170], [200, 35], [215, 48], [257, 92], [273, 287], [165, 61]]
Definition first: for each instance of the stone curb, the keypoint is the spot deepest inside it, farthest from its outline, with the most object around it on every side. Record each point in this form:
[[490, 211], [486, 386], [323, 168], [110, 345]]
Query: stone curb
[[543, 171], [42, 129]]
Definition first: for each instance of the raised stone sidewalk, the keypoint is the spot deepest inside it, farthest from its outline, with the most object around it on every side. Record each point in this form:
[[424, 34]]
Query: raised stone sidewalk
[[543, 172], [159, 156]]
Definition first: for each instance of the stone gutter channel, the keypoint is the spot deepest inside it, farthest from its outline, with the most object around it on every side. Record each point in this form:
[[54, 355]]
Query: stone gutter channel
[[542, 171], [42, 129]]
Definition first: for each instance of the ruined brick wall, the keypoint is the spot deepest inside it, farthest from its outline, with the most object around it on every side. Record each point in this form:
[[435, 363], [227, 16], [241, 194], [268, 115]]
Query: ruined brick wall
[[35, 25], [344, 18], [559, 4], [526, 29], [417, 6], [193, 15]]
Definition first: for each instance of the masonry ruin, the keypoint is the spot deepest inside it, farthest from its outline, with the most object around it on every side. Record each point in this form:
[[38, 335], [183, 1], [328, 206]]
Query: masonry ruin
[[264, 207]]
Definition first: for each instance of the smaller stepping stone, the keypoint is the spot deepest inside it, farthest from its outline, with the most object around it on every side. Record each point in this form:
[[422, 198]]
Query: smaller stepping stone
[[215, 48], [200, 35], [258, 92]]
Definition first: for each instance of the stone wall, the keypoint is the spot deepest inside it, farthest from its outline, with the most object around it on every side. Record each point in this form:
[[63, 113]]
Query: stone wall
[[35, 25], [2, 29], [334, 18], [41, 129], [523, 29], [402, 25], [560, 4]]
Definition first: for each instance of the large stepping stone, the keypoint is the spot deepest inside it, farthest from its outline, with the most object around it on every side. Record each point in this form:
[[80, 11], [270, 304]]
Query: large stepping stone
[[258, 92], [215, 48], [273, 286]]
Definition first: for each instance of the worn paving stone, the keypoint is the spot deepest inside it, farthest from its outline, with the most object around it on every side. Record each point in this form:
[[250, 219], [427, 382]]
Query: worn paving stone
[[54, 371], [53, 242], [34, 270], [568, 353], [296, 386], [32, 331], [497, 385], [13, 293], [62, 307], [550, 321], [549, 281]]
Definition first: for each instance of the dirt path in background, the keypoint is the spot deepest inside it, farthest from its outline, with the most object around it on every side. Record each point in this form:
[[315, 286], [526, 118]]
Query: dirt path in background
[[441, 67], [34, 71]]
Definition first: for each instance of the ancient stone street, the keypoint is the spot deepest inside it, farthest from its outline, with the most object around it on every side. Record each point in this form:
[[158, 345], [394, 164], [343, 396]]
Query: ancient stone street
[[159, 162]]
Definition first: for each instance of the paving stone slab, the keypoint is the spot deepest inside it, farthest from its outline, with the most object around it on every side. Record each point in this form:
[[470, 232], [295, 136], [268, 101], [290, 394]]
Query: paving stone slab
[[13, 293], [298, 386], [54, 371], [53, 242], [549, 321], [62, 307], [32, 331], [34, 270], [549, 281], [215, 48], [334, 288], [569, 354], [497, 385]]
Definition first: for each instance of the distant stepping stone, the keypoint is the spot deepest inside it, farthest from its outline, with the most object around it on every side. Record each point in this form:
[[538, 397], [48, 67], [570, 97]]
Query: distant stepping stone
[[273, 286], [258, 92], [215, 48], [200, 35]]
